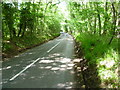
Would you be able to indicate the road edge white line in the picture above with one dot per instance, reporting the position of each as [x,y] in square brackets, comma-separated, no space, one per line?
[53,47]
[28,66]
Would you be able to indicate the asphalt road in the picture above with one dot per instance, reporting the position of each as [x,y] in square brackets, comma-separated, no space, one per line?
[46,66]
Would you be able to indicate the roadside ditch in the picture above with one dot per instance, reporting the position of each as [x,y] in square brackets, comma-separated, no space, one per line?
[86,75]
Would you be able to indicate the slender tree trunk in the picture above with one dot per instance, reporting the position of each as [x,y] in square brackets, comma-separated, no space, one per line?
[95,25]
[24,29]
[114,23]
[99,22]
[98,16]
[99,19]
[114,18]
[20,29]
[106,18]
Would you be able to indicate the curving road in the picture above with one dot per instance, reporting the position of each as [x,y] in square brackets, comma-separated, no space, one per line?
[46,66]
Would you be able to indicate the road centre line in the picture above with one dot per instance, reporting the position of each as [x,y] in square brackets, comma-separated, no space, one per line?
[53,47]
[28,66]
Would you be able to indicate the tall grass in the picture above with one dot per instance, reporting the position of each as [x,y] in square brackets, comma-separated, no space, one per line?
[97,52]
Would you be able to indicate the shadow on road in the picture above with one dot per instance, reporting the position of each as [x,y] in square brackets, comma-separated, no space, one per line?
[54,70]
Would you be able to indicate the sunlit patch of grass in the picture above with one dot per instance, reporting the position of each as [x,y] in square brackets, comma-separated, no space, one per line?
[108,62]
[107,68]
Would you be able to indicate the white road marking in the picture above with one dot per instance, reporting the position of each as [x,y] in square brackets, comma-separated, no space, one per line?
[28,66]
[53,47]
[24,69]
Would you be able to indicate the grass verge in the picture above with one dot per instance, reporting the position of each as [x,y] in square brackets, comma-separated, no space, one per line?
[101,58]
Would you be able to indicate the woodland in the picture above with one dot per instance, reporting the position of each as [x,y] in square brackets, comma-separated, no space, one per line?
[94,26]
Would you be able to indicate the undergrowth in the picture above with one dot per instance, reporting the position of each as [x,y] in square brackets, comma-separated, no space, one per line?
[19,44]
[99,53]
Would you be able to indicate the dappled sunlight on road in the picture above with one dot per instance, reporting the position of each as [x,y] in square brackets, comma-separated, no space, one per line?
[65,60]
[57,62]
[45,61]
[67,85]
[50,68]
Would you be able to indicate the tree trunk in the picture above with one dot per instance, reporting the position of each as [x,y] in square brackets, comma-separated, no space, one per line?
[20,30]
[106,18]
[24,29]
[99,19]
[99,22]
[114,19]
[114,23]
[95,25]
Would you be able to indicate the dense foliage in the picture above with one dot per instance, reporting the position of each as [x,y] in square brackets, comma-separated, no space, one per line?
[28,23]
[94,24]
